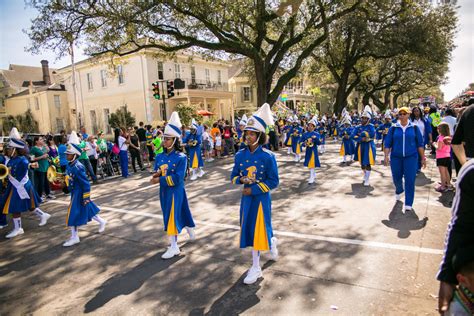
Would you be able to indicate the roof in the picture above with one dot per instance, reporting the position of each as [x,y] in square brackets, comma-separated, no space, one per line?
[52,87]
[17,75]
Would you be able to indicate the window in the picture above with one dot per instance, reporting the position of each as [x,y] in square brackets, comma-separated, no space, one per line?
[28,104]
[160,71]
[193,75]
[219,77]
[103,78]
[57,101]
[94,122]
[89,81]
[59,125]
[106,121]
[163,112]
[37,103]
[177,70]
[208,76]
[120,74]
[246,94]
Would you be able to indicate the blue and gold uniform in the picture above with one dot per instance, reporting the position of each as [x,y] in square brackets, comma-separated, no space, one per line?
[347,145]
[3,195]
[241,140]
[295,139]
[288,129]
[193,147]
[365,150]
[255,209]
[13,202]
[311,158]
[173,199]
[79,214]
[322,132]
[383,130]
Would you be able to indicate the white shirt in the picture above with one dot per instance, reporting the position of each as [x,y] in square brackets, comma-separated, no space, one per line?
[121,143]
[218,141]
[91,149]
[451,120]
[421,125]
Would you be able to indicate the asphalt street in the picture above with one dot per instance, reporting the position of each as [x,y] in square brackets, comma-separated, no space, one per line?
[345,249]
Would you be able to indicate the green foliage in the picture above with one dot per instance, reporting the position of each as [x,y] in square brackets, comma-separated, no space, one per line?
[25,123]
[187,113]
[122,118]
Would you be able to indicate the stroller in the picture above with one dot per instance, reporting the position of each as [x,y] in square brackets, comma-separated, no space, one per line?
[110,165]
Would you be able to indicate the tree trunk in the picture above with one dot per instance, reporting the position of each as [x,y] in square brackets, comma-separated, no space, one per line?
[365,99]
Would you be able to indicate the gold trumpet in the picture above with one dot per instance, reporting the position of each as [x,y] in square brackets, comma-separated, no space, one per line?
[4,172]
[54,176]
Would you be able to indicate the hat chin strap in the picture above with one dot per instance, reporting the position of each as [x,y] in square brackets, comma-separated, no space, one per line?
[174,141]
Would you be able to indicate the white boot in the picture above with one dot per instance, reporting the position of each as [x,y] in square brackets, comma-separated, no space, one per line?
[289,150]
[274,249]
[200,173]
[173,249]
[102,222]
[255,272]
[312,176]
[366,179]
[193,175]
[191,233]
[17,229]
[74,238]
[43,216]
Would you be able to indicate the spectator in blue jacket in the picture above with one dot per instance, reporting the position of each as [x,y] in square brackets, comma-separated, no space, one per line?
[404,143]
[424,125]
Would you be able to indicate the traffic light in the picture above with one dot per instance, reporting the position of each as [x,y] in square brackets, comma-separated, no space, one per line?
[156,90]
[170,88]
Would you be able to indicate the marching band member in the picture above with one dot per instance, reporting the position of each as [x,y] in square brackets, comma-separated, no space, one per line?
[240,132]
[192,142]
[322,132]
[295,139]
[3,196]
[171,170]
[81,209]
[347,145]
[312,139]
[256,168]
[20,194]
[365,152]
[385,126]
[288,130]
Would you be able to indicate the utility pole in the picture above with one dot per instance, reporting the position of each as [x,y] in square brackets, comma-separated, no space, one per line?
[73,66]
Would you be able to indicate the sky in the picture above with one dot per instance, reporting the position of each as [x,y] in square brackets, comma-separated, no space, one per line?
[14,17]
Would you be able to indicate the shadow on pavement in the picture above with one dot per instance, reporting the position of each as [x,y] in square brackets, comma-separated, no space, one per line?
[360,191]
[446,198]
[128,282]
[404,222]
[236,300]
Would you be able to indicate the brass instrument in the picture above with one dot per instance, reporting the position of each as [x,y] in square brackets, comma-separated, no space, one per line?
[236,137]
[309,143]
[296,134]
[4,172]
[192,143]
[54,176]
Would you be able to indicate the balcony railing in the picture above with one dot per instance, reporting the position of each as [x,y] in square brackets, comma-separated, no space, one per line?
[197,84]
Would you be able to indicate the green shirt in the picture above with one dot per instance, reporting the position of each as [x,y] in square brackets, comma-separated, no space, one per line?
[102,143]
[43,163]
[157,142]
[83,155]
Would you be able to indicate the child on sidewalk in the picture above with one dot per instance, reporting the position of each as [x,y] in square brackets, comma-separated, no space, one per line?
[443,157]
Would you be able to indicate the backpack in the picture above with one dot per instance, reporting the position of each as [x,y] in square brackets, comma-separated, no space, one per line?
[115,149]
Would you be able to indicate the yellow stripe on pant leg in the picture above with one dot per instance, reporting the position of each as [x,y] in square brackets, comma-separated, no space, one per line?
[68,212]
[342,151]
[311,160]
[371,156]
[7,204]
[195,161]
[172,231]
[260,239]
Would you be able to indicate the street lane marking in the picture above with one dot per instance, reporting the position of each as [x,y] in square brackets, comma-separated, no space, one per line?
[358,242]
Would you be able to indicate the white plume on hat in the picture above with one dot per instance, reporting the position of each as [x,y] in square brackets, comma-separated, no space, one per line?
[173,128]
[73,144]
[314,120]
[324,119]
[261,119]
[194,124]
[388,113]
[15,139]
[367,112]
[243,120]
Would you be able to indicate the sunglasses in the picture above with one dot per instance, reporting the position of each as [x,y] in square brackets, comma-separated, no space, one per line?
[403,113]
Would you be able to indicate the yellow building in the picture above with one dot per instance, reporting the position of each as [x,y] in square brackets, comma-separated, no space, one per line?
[36,89]
[102,88]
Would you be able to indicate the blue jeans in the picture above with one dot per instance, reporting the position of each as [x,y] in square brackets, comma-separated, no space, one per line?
[405,167]
[124,162]
[89,170]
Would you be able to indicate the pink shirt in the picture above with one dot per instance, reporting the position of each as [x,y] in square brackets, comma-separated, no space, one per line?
[443,151]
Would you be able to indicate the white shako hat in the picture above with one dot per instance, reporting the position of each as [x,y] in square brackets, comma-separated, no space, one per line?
[367,112]
[73,144]
[243,120]
[314,121]
[173,128]
[15,139]
[323,119]
[259,121]
[194,124]
[388,114]
[346,119]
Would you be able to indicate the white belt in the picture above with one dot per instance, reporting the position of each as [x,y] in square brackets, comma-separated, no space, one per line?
[20,186]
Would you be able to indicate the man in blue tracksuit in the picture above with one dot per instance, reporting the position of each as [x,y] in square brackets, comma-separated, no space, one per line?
[404,142]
